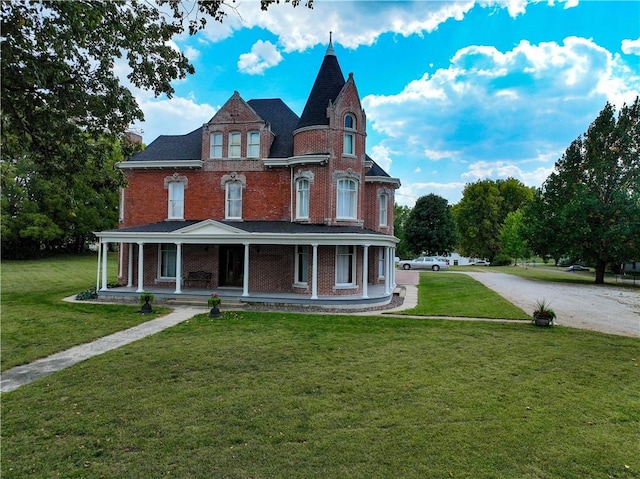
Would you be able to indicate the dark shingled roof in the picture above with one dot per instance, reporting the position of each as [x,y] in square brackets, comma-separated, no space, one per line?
[280,227]
[173,147]
[283,121]
[327,86]
[375,170]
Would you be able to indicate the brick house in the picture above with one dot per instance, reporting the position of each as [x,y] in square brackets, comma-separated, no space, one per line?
[262,205]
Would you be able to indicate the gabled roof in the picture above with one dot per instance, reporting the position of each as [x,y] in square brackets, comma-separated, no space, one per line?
[173,147]
[326,88]
[283,121]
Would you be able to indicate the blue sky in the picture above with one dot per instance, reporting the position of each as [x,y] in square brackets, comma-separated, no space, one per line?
[454,91]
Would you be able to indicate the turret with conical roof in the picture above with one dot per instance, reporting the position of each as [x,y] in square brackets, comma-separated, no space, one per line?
[326,88]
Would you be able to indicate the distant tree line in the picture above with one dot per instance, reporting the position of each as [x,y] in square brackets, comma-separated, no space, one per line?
[588,209]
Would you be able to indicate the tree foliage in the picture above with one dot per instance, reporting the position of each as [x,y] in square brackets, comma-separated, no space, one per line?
[512,237]
[482,211]
[400,216]
[430,227]
[61,99]
[590,206]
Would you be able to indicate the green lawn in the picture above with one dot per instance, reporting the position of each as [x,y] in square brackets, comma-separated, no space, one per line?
[283,395]
[543,272]
[274,395]
[450,294]
[35,321]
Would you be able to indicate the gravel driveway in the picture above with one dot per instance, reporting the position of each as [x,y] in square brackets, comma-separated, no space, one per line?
[605,309]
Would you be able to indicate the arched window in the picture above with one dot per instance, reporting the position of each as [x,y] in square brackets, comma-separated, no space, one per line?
[349,146]
[383,200]
[176,201]
[253,144]
[347,204]
[302,198]
[235,141]
[233,209]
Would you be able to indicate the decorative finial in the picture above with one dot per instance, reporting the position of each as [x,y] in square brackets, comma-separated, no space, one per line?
[330,50]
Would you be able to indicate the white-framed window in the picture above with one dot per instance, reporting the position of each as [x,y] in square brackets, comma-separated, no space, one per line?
[302,265]
[347,204]
[233,208]
[349,147]
[167,260]
[383,201]
[176,200]
[215,146]
[253,144]
[302,198]
[345,265]
[381,262]
[235,143]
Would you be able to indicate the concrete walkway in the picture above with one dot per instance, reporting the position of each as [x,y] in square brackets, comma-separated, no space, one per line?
[14,378]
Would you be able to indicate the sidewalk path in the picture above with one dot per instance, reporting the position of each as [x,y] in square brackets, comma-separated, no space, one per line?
[14,378]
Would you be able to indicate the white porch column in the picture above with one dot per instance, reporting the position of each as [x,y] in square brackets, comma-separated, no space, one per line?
[120,258]
[365,271]
[387,269]
[104,267]
[140,268]
[178,268]
[392,257]
[314,273]
[130,267]
[98,268]
[245,279]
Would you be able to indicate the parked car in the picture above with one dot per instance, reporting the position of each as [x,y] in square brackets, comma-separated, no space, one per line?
[423,262]
[576,267]
[480,263]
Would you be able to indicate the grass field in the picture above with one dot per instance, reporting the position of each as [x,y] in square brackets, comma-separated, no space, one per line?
[450,294]
[35,321]
[283,395]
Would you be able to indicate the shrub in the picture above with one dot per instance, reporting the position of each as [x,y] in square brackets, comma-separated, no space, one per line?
[501,260]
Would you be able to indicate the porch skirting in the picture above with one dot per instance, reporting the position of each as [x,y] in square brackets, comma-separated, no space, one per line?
[233,298]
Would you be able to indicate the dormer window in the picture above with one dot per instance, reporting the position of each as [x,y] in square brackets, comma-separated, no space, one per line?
[235,141]
[349,147]
[253,144]
[215,145]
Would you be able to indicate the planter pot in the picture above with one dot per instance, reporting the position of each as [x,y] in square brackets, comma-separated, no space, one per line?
[215,312]
[542,321]
[146,307]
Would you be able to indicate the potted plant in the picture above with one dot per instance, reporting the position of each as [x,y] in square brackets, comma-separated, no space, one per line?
[543,315]
[213,302]
[145,300]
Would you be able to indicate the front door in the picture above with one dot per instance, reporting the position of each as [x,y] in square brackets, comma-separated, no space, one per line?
[231,265]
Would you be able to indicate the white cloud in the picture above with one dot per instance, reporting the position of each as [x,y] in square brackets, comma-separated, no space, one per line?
[494,106]
[263,55]
[354,23]
[408,193]
[177,116]
[382,156]
[631,47]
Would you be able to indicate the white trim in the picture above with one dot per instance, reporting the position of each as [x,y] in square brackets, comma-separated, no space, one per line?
[296,160]
[383,179]
[160,164]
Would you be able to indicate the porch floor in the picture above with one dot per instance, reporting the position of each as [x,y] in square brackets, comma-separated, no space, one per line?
[233,296]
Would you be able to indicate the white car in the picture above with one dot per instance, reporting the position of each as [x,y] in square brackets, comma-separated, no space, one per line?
[423,262]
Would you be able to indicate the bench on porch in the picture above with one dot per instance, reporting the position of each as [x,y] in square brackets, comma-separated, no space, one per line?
[198,277]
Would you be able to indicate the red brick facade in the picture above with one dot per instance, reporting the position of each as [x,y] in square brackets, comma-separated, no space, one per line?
[240,155]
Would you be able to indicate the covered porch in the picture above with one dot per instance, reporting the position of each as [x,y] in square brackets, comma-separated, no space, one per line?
[256,258]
